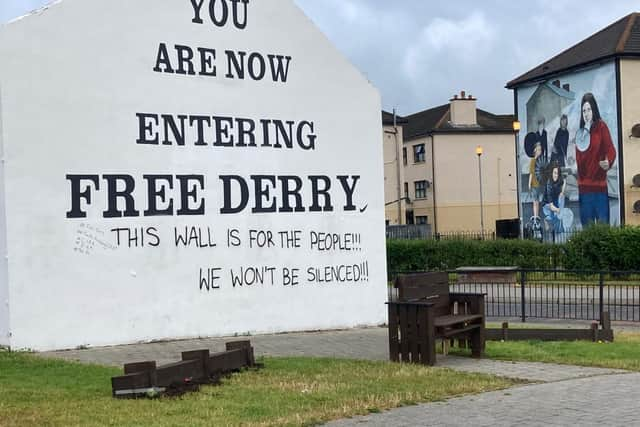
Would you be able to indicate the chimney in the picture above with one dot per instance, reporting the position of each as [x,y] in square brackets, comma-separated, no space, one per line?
[463,110]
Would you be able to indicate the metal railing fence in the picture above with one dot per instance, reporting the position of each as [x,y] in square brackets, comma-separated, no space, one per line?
[550,294]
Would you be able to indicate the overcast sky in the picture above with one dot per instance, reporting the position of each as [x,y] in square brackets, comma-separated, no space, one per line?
[419,53]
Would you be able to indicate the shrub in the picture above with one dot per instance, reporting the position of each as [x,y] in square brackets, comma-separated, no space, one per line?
[601,247]
[415,255]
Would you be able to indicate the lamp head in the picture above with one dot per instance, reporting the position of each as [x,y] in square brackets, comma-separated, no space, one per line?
[516,126]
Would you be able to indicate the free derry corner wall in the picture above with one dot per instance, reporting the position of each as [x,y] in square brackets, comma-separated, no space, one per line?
[184,168]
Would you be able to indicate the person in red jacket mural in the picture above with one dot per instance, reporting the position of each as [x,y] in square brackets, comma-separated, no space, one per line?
[595,155]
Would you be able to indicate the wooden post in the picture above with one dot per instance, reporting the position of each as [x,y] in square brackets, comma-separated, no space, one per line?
[523,304]
[505,331]
[243,345]
[394,347]
[412,327]
[607,332]
[606,320]
[404,333]
[594,331]
[430,351]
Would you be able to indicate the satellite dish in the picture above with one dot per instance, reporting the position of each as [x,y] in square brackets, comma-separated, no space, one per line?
[636,180]
[635,131]
[636,207]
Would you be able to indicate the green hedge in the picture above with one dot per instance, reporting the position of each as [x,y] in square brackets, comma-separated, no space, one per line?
[415,255]
[598,247]
[601,247]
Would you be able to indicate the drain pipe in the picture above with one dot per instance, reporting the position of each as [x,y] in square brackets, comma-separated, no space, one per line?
[433,186]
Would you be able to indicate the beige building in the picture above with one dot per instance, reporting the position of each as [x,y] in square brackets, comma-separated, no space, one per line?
[440,168]
[630,94]
[395,201]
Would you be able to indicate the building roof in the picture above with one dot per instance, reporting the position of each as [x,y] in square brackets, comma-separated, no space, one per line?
[387,119]
[438,120]
[620,39]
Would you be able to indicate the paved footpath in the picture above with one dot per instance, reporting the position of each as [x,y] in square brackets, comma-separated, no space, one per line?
[610,400]
[564,394]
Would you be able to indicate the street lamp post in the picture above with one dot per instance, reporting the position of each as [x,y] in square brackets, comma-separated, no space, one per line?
[479,153]
[399,194]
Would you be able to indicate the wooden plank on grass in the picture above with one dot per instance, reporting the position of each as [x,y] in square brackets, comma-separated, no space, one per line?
[242,345]
[202,356]
[132,368]
[180,372]
[228,361]
[138,380]
[541,334]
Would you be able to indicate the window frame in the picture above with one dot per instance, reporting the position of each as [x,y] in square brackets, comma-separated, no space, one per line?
[422,189]
[419,155]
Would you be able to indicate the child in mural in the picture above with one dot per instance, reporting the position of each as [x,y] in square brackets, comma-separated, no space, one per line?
[554,198]
[595,154]
[561,143]
[541,136]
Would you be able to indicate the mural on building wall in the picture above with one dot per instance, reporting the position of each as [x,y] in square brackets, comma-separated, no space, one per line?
[568,152]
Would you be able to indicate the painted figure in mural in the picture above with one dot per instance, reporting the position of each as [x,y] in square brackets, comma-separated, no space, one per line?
[554,198]
[595,155]
[541,136]
[536,178]
[561,143]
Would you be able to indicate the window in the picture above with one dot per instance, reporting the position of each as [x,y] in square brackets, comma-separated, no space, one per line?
[421,189]
[418,153]
[421,220]
[404,156]
[409,217]
[406,190]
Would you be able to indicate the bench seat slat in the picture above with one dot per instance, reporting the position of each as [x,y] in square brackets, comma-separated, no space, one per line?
[457,332]
[454,319]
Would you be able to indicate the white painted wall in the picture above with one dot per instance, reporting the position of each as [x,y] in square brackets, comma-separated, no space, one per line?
[4,279]
[75,75]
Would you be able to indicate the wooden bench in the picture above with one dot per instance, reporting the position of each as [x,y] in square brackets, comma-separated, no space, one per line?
[426,311]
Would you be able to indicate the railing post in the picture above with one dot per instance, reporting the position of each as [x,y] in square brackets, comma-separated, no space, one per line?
[601,295]
[522,295]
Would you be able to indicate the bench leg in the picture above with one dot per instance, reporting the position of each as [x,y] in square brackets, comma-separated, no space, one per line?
[428,332]
[429,353]
[445,346]
[477,343]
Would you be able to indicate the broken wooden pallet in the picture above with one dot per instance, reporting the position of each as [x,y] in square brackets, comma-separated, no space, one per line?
[196,367]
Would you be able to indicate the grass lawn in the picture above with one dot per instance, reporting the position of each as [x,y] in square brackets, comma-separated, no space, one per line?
[623,353]
[288,391]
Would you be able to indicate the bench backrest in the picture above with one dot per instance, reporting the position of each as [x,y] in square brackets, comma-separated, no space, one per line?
[431,287]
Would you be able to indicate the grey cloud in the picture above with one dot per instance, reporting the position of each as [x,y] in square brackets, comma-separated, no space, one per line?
[419,53]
